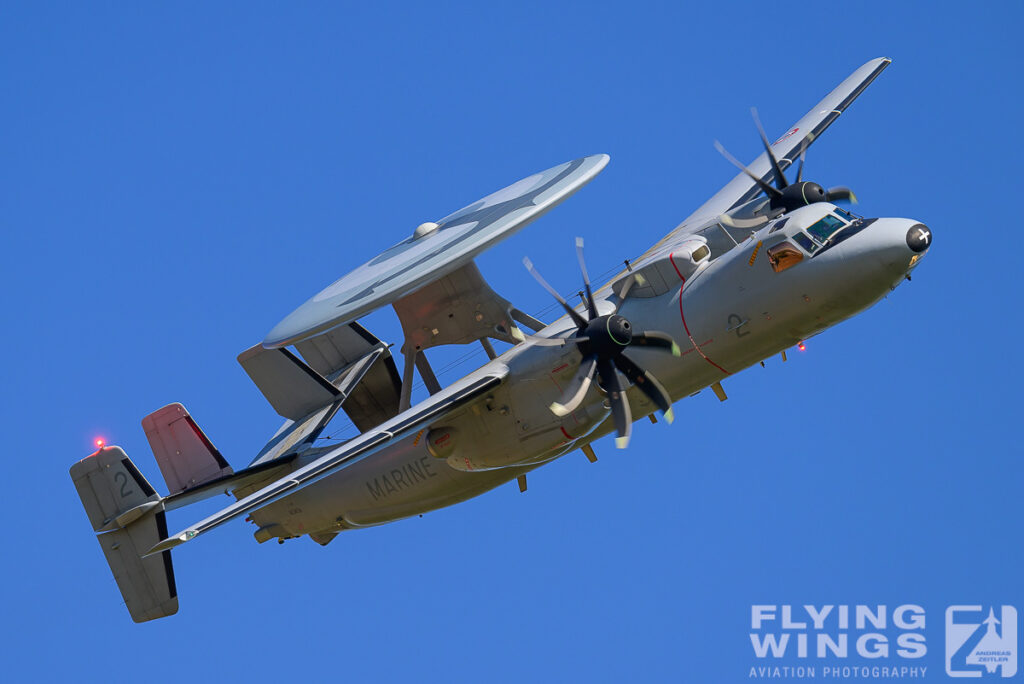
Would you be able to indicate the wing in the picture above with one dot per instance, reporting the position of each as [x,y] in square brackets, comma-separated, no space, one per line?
[787,148]
[456,395]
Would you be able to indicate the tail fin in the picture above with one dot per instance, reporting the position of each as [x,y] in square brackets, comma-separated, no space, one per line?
[186,456]
[128,515]
[294,389]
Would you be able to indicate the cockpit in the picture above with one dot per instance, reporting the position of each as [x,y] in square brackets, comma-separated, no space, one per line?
[828,230]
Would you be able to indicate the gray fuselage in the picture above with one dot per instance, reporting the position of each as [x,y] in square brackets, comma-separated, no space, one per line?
[731,312]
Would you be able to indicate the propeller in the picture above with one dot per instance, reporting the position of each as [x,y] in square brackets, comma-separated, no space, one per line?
[603,340]
[785,195]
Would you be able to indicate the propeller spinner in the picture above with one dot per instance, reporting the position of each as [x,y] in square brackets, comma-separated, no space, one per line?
[785,195]
[602,341]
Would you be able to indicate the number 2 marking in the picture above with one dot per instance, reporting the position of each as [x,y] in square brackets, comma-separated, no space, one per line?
[736,323]
[121,478]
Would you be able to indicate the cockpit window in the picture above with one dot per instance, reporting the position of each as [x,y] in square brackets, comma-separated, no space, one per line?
[826,228]
[846,215]
[805,242]
[784,255]
[778,225]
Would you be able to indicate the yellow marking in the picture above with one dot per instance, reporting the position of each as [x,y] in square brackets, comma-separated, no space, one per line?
[418,435]
[522,483]
[589,452]
[753,257]
[719,392]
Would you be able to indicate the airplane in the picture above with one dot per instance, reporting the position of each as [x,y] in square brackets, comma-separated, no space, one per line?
[766,263]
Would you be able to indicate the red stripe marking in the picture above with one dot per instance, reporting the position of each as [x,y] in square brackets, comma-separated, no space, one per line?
[672,261]
[567,435]
[683,316]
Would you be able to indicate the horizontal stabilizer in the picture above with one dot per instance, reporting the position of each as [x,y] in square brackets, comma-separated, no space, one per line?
[253,476]
[294,389]
[455,396]
[184,453]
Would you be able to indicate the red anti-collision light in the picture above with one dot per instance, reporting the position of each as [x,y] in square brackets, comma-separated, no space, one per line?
[801,346]
[100,442]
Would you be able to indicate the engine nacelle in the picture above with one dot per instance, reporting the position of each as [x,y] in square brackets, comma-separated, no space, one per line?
[667,270]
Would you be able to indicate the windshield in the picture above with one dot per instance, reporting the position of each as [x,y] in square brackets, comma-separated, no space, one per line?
[846,215]
[805,242]
[826,228]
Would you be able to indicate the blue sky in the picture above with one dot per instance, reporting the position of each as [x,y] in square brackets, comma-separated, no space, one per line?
[179,177]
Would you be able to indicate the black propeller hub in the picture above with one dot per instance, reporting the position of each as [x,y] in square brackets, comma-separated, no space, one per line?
[601,340]
[800,194]
[606,336]
[785,195]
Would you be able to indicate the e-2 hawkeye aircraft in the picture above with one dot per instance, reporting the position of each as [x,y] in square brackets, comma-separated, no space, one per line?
[766,263]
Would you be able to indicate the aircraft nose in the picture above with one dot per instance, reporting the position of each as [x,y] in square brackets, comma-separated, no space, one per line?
[898,243]
[919,238]
[887,249]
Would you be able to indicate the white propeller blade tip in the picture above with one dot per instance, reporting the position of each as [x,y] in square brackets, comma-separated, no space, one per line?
[558,409]
[621,442]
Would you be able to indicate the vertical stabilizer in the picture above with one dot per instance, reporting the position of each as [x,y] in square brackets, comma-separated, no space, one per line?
[128,515]
[186,456]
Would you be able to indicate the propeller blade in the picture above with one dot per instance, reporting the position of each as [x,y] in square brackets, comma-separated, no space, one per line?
[620,405]
[768,190]
[840,193]
[573,314]
[577,388]
[742,224]
[647,383]
[780,179]
[632,280]
[552,341]
[657,340]
[800,169]
[591,306]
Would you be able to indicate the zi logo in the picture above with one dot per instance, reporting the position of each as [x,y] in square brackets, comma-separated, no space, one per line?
[979,642]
